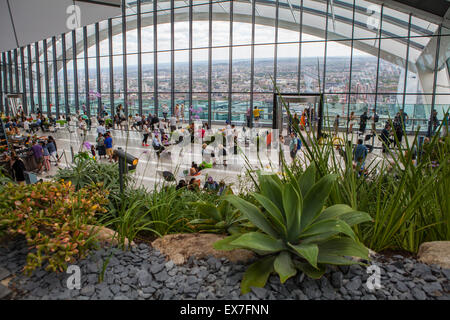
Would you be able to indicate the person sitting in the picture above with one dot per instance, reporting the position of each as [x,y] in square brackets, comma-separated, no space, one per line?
[157,145]
[155,120]
[165,140]
[195,170]
[222,187]
[385,137]
[359,155]
[181,184]
[137,122]
[26,126]
[211,185]
[194,185]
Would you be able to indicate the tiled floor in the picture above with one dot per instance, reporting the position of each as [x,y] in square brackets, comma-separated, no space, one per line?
[150,167]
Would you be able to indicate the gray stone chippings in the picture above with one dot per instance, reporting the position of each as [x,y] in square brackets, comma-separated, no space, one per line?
[144,273]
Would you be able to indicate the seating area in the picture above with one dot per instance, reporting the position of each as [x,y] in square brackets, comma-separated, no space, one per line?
[236,158]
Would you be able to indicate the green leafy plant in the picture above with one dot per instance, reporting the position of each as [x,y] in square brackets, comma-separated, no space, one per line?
[407,199]
[222,218]
[54,219]
[85,172]
[294,231]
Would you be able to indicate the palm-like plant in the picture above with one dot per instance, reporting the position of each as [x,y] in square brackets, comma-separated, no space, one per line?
[295,232]
[218,219]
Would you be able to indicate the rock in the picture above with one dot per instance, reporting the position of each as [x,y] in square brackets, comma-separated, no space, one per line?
[354,285]
[169,265]
[402,287]
[198,245]
[5,292]
[433,288]
[429,278]
[178,259]
[115,289]
[105,294]
[420,270]
[261,293]
[144,278]
[121,298]
[336,279]
[106,236]
[155,268]
[87,291]
[143,246]
[418,294]
[92,267]
[162,276]
[124,288]
[435,252]
[446,273]
[4,273]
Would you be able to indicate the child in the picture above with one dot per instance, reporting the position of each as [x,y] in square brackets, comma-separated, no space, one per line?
[93,151]
[46,157]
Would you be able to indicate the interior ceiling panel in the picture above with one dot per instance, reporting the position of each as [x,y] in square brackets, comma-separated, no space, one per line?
[436,7]
[23,21]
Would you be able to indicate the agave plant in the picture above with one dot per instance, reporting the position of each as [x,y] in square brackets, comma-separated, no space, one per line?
[295,232]
[221,219]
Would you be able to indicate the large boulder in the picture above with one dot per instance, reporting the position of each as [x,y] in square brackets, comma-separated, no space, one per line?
[179,247]
[107,236]
[435,252]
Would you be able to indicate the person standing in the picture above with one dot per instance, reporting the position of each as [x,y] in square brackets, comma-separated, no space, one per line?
[359,156]
[182,112]
[375,118]
[38,155]
[101,145]
[177,112]
[363,122]
[336,125]
[295,122]
[165,110]
[18,168]
[385,137]
[256,114]
[398,129]
[109,146]
[434,122]
[46,155]
[248,117]
[146,132]
[173,123]
[52,149]
[352,121]
[293,146]
[101,128]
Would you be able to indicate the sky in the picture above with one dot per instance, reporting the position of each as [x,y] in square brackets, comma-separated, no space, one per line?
[221,34]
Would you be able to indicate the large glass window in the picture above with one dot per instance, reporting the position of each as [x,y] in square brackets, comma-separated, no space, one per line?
[379,67]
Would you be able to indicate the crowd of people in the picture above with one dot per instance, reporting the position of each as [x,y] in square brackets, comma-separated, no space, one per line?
[159,132]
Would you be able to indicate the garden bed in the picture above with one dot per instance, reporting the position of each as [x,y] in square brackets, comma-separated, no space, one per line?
[144,273]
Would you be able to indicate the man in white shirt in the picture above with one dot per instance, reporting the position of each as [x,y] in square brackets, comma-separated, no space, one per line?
[173,123]
[165,110]
[101,128]
[26,126]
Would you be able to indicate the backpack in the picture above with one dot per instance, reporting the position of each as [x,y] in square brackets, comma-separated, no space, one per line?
[299,144]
